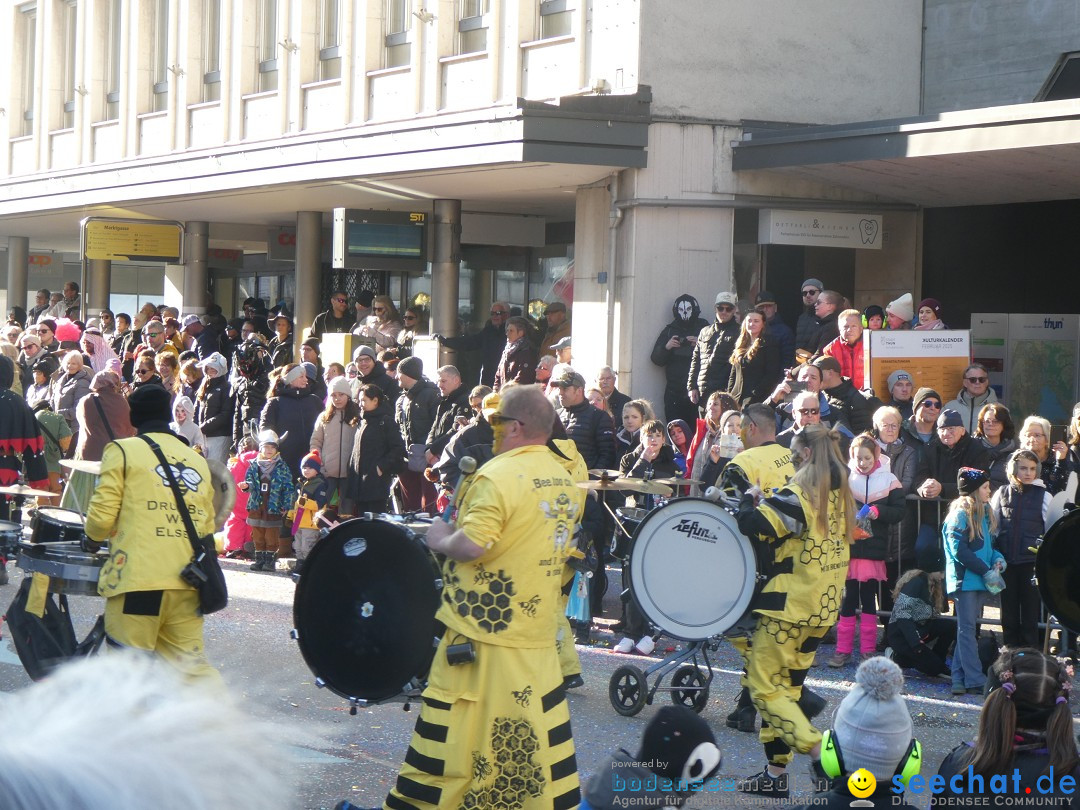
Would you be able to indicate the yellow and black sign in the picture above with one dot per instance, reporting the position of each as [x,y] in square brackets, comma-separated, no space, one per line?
[130,240]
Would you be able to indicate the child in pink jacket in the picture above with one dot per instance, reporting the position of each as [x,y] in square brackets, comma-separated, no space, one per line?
[237,531]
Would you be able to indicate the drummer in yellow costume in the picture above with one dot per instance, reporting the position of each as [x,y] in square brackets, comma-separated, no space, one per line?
[495,731]
[801,600]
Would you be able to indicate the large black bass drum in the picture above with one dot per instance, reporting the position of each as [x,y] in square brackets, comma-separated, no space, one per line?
[1057,570]
[692,572]
[364,611]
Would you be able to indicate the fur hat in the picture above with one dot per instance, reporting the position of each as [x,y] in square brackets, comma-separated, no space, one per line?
[873,724]
[411,367]
[902,307]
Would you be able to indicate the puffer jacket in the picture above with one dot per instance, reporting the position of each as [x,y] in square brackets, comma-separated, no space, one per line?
[998,459]
[291,414]
[709,365]
[448,410]
[249,398]
[416,411]
[592,433]
[882,490]
[968,406]
[850,359]
[237,531]
[67,391]
[1021,519]
[277,500]
[967,560]
[381,377]
[942,463]
[334,441]
[214,408]
[377,455]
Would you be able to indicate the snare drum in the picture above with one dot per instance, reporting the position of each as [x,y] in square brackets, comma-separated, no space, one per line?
[70,570]
[364,610]
[630,518]
[10,535]
[51,524]
[692,572]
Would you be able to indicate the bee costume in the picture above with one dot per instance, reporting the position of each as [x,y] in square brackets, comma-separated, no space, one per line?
[798,604]
[496,732]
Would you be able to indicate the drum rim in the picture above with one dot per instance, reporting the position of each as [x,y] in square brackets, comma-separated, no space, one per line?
[315,661]
[1055,534]
[629,573]
[44,513]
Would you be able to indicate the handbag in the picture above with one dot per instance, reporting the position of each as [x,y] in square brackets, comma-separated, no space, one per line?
[203,572]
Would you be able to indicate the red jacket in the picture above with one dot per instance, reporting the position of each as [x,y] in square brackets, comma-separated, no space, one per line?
[850,359]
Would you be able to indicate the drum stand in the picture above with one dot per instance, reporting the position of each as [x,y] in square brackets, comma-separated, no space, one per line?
[629,690]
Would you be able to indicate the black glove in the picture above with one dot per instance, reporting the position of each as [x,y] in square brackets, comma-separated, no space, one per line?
[88,545]
[438,337]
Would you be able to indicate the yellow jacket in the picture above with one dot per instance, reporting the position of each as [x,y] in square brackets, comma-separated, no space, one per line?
[134,509]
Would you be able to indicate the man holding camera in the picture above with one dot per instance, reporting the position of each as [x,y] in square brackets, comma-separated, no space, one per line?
[149,605]
[495,697]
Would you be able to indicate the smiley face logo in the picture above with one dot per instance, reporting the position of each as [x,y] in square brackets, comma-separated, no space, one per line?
[861,783]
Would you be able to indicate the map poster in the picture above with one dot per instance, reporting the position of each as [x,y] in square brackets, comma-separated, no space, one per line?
[933,359]
[1042,366]
[989,344]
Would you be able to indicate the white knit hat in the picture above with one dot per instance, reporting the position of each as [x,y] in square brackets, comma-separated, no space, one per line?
[340,385]
[872,723]
[903,307]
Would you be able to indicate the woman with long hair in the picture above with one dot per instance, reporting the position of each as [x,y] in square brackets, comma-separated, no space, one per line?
[143,371]
[706,434]
[168,368]
[377,453]
[995,429]
[383,325]
[334,436]
[518,361]
[635,413]
[1025,731]
[809,526]
[755,361]
[917,633]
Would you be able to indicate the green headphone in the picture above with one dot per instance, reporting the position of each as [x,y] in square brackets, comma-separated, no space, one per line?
[832,758]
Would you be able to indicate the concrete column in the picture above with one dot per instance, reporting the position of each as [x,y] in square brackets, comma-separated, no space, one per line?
[197,242]
[308,274]
[18,256]
[445,272]
[98,285]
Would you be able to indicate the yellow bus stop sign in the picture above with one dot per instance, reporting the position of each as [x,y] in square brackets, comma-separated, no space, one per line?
[127,240]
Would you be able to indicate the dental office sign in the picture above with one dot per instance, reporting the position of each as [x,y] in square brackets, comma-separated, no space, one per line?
[819,229]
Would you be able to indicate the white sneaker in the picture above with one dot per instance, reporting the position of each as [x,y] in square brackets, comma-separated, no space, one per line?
[624,646]
[645,646]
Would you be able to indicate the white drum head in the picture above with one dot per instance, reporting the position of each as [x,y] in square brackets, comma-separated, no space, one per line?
[692,572]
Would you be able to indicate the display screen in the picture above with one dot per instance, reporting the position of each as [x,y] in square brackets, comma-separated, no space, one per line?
[380,240]
[384,239]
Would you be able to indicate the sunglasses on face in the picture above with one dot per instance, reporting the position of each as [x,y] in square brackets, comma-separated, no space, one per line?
[44,330]
[810,292]
[809,411]
[409,317]
[497,313]
[339,300]
[931,403]
[976,379]
[498,419]
[379,309]
[142,371]
[725,308]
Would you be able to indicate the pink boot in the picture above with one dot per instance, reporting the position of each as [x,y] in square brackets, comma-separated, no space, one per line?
[845,641]
[867,635]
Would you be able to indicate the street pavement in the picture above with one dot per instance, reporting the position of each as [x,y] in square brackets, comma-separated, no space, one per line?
[357,757]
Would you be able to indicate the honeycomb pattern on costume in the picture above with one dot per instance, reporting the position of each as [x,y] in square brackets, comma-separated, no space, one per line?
[517,775]
[490,605]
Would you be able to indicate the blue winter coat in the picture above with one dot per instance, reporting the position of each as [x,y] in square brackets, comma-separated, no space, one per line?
[966,562]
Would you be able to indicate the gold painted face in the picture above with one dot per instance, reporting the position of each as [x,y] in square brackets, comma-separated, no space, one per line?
[861,783]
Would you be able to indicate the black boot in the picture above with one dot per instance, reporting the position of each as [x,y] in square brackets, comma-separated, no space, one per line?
[811,703]
[260,558]
[744,718]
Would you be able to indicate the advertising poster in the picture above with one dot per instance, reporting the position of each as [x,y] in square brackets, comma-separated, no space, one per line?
[934,359]
[989,346]
[1042,357]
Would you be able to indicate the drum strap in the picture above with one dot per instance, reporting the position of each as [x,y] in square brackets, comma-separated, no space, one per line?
[48,433]
[181,505]
[104,420]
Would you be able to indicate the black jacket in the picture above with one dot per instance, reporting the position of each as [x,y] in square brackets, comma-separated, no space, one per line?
[292,411]
[381,377]
[446,414]
[686,322]
[942,463]
[475,440]
[206,342]
[281,351]
[632,465]
[756,378]
[490,341]
[326,322]
[592,432]
[807,329]
[709,366]
[214,410]
[416,412]
[376,456]
[1031,764]
[249,397]
[851,408]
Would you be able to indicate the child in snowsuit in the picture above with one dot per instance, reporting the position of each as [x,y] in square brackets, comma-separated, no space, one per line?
[310,498]
[269,486]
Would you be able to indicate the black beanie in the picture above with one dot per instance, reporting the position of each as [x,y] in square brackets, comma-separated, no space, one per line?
[969,479]
[672,746]
[411,367]
[150,404]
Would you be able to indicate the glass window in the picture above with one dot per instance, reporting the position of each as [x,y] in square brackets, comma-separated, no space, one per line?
[398,20]
[112,60]
[556,18]
[160,71]
[267,45]
[68,13]
[329,39]
[472,25]
[28,22]
[211,50]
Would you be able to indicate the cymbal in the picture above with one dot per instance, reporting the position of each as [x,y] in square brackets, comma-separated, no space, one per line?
[639,485]
[20,490]
[606,473]
[677,482]
[92,467]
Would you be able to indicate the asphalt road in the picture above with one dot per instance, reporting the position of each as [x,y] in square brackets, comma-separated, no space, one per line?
[357,757]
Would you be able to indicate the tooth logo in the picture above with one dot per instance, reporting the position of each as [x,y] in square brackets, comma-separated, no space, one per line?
[868,229]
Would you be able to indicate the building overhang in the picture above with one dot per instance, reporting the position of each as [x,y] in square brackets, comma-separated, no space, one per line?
[525,158]
[1014,154]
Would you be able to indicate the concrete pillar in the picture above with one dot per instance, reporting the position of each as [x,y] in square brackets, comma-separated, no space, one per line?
[196,245]
[308,274]
[174,286]
[445,272]
[18,255]
[98,285]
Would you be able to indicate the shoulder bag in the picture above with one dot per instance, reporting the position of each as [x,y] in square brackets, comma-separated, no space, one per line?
[203,572]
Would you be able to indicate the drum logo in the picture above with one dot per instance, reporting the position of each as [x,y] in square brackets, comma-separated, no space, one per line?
[695,531]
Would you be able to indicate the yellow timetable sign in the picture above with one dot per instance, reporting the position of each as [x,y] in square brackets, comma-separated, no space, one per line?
[120,240]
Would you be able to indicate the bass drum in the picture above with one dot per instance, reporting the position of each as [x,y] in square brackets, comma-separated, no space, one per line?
[692,572]
[1057,569]
[364,610]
